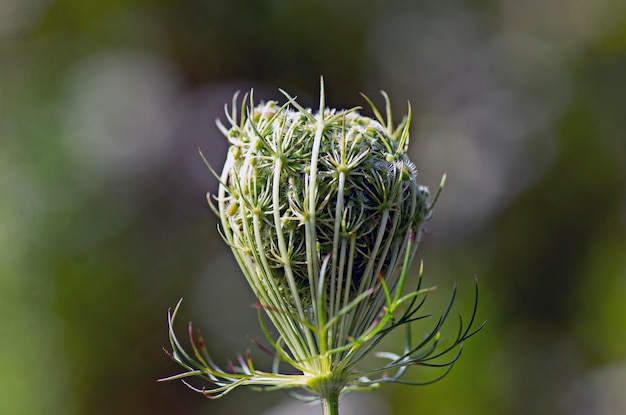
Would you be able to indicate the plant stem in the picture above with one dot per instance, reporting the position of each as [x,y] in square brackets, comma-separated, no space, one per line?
[328,388]
[330,403]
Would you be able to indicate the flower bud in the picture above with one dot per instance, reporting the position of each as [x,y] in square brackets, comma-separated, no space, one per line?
[301,186]
[323,214]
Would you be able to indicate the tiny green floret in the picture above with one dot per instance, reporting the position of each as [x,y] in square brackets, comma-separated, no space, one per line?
[323,213]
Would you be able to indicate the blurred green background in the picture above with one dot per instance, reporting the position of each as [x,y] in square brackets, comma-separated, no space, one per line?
[104,224]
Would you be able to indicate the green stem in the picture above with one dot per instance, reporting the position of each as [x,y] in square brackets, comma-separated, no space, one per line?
[328,388]
[330,402]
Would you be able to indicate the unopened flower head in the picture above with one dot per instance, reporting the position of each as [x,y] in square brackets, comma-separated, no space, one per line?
[317,207]
[323,212]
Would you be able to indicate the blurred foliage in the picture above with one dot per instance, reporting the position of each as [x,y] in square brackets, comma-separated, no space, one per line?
[103,223]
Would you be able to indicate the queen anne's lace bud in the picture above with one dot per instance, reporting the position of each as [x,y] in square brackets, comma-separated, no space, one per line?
[323,213]
[298,188]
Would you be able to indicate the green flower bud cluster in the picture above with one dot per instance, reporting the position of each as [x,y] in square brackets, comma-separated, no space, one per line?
[292,195]
[323,214]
